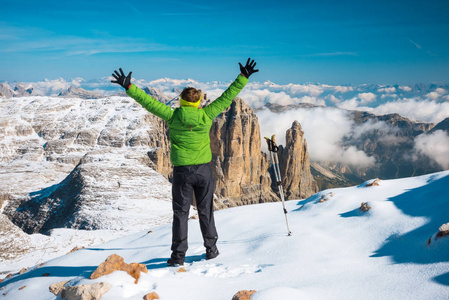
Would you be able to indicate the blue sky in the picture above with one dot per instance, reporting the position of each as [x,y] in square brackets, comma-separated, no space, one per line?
[333,42]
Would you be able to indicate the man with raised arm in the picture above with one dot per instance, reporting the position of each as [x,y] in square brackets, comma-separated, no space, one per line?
[190,155]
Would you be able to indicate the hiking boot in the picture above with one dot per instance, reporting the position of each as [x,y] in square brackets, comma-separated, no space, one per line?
[210,254]
[174,263]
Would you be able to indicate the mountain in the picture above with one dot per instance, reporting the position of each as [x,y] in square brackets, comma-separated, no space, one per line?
[77,92]
[443,125]
[335,251]
[388,139]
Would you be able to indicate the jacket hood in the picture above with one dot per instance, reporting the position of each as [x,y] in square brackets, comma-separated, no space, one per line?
[189,116]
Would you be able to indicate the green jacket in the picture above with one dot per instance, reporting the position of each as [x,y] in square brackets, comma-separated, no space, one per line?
[189,126]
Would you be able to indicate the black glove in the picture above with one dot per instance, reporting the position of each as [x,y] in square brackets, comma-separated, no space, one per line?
[124,81]
[248,69]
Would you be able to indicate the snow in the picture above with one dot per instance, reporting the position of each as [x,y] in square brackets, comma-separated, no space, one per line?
[335,251]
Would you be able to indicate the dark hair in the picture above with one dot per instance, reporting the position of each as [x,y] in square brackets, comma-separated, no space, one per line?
[190,94]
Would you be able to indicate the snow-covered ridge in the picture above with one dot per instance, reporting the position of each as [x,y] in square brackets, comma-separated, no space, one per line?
[336,251]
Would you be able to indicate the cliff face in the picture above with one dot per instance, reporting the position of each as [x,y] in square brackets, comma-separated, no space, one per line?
[242,171]
[294,164]
[239,166]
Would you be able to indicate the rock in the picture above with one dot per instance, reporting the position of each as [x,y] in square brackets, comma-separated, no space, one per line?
[21,288]
[23,89]
[151,296]
[297,180]
[85,292]
[364,207]
[240,168]
[181,270]
[375,182]
[443,231]
[56,288]
[6,90]
[75,249]
[46,274]
[326,197]
[194,217]
[116,263]
[23,270]
[243,295]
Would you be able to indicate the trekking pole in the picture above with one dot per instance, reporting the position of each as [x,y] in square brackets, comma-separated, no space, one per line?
[273,148]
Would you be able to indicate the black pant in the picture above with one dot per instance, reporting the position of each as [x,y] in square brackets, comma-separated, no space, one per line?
[186,181]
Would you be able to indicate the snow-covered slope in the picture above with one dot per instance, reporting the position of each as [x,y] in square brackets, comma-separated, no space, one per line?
[335,252]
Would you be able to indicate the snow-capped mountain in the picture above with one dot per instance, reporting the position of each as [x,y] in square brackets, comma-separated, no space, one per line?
[395,250]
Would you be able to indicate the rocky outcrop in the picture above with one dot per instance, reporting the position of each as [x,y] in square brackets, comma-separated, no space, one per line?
[240,168]
[6,90]
[104,191]
[23,89]
[242,171]
[114,263]
[77,92]
[297,180]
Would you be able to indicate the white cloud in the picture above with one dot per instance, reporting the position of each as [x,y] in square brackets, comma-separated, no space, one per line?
[446,98]
[405,88]
[435,146]
[324,129]
[441,91]
[333,99]
[366,97]
[387,90]
[424,111]
[343,89]
[433,95]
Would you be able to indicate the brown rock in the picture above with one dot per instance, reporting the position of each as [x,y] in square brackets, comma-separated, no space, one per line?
[242,171]
[294,164]
[374,183]
[23,270]
[9,275]
[22,287]
[40,265]
[443,231]
[75,249]
[46,274]
[116,263]
[56,288]
[364,207]
[182,270]
[239,167]
[194,218]
[243,295]
[85,292]
[151,296]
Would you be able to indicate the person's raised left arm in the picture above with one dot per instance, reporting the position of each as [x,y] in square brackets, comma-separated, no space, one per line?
[149,103]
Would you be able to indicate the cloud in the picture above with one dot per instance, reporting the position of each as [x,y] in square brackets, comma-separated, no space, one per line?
[415,44]
[324,130]
[405,88]
[366,97]
[429,111]
[387,90]
[343,89]
[435,146]
[441,91]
